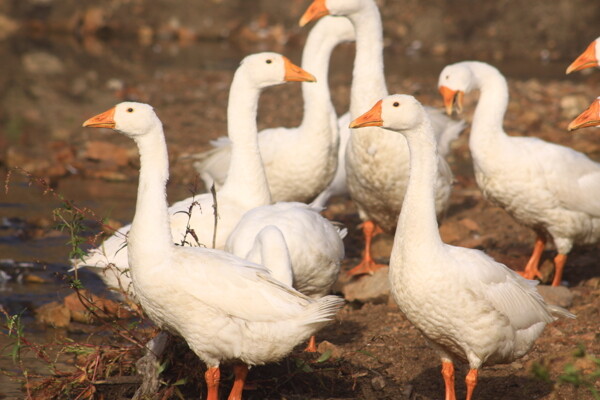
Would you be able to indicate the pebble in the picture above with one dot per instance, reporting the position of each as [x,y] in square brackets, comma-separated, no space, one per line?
[324,346]
[557,295]
[378,383]
[42,63]
[368,288]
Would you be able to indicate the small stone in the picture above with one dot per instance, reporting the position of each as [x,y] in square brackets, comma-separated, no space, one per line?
[407,391]
[378,383]
[93,20]
[42,63]
[557,295]
[145,35]
[572,105]
[470,224]
[32,278]
[369,288]
[7,26]
[55,314]
[324,346]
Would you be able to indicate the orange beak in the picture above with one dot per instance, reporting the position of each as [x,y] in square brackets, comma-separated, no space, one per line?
[585,60]
[294,73]
[316,10]
[590,117]
[104,120]
[370,118]
[451,98]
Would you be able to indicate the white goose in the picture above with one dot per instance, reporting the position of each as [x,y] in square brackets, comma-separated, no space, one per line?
[377,161]
[552,189]
[589,117]
[246,185]
[318,249]
[226,308]
[468,306]
[299,162]
[314,246]
[587,59]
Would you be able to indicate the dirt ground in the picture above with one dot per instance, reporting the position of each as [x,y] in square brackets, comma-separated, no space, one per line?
[376,352]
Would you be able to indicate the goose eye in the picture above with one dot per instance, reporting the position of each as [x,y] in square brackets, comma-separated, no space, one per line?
[130,110]
[447,77]
[269,61]
[396,104]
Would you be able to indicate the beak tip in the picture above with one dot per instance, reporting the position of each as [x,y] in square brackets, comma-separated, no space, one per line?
[303,21]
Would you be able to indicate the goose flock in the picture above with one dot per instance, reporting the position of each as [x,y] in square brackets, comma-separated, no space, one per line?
[244,274]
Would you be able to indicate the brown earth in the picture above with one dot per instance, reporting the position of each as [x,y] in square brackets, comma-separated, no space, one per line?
[377,352]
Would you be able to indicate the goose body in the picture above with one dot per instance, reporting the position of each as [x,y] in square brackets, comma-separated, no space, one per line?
[376,160]
[314,244]
[469,307]
[549,188]
[226,308]
[299,162]
[244,189]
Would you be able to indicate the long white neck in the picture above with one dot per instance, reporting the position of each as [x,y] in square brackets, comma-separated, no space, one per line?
[368,78]
[417,223]
[150,237]
[318,109]
[487,129]
[246,176]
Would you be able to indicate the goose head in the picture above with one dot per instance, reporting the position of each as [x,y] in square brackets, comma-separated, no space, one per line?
[587,59]
[455,80]
[590,117]
[129,118]
[397,112]
[320,8]
[268,69]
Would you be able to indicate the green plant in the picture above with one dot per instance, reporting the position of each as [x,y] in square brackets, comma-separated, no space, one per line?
[572,375]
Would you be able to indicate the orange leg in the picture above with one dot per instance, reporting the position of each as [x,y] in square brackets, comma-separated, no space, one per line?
[448,374]
[311,347]
[531,270]
[367,265]
[212,377]
[471,381]
[241,372]
[559,264]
